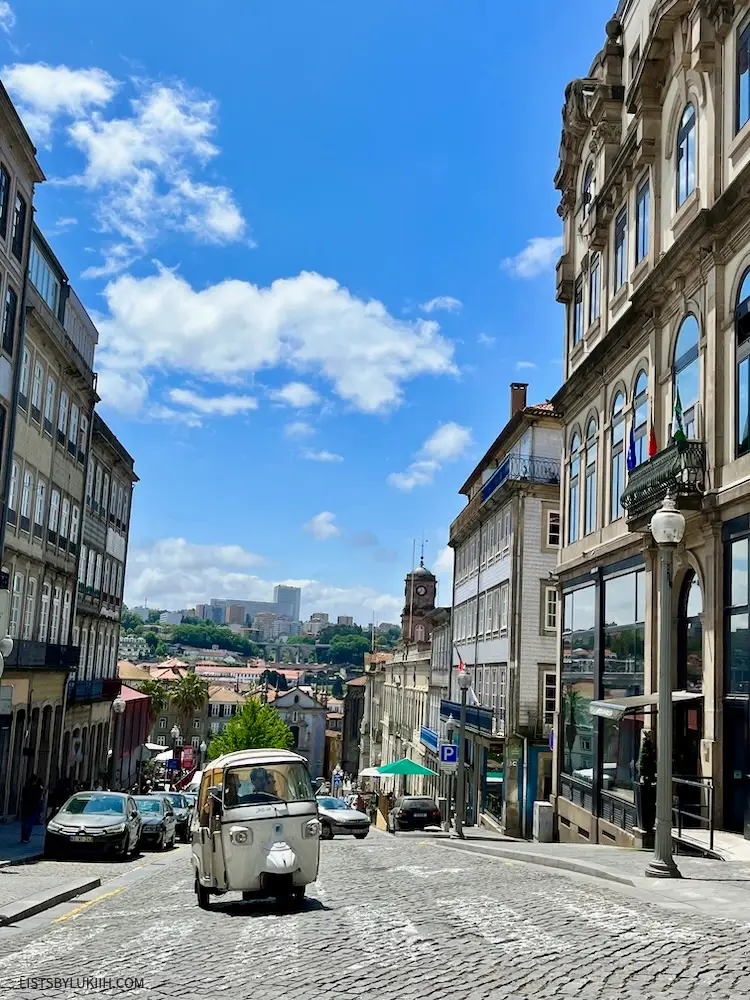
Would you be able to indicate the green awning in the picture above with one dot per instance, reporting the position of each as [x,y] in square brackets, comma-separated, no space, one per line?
[494,776]
[405,766]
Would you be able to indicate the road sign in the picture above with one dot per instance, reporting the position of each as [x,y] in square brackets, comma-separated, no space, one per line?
[514,752]
[187,757]
[173,764]
[448,757]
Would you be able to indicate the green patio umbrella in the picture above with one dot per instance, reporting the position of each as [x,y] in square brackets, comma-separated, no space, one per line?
[405,766]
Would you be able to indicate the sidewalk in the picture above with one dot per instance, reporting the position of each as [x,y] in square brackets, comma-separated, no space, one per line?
[718,888]
[12,851]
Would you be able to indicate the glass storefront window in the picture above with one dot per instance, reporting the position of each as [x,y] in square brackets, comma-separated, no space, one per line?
[693,679]
[739,585]
[579,640]
[739,660]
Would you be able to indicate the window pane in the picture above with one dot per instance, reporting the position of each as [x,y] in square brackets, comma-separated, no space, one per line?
[688,382]
[739,573]
[739,662]
[620,600]
[743,406]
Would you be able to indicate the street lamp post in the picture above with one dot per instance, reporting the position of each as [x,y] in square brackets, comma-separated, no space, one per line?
[203,749]
[118,707]
[667,527]
[464,682]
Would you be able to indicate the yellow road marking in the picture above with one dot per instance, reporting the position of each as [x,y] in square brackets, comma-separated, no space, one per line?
[85,906]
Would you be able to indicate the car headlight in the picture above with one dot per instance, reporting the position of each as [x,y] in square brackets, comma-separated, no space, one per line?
[117,828]
[311,829]
[54,827]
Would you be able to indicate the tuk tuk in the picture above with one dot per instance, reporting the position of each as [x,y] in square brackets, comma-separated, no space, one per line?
[256,829]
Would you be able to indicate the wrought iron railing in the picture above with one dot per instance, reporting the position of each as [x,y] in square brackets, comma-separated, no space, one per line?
[681,468]
[522,468]
[693,806]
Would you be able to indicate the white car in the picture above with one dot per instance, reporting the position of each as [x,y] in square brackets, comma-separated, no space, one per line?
[337,818]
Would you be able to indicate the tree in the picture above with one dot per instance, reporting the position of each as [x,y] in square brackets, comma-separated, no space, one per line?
[158,698]
[338,690]
[152,640]
[329,633]
[257,726]
[299,640]
[153,617]
[161,649]
[131,622]
[274,680]
[191,620]
[349,649]
[189,695]
[206,634]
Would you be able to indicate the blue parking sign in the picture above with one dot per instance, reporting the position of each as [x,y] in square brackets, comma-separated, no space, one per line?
[448,753]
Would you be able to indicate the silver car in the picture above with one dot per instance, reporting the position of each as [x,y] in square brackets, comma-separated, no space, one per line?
[100,822]
[336,817]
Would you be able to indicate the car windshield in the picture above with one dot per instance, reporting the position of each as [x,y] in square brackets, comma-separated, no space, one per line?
[178,801]
[245,786]
[149,805]
[80,804]
[330,803]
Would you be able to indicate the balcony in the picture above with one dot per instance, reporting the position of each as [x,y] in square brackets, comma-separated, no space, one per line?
[102,689]
[27,654]
[478,720]
[681,467]
[520,468]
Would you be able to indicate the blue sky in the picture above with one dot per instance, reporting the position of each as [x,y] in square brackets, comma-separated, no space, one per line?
[319,243]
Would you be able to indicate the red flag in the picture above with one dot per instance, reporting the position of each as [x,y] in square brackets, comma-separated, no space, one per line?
[461,664]
[652,449]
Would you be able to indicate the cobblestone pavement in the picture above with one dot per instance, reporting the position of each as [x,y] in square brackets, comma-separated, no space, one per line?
[388,918]
[24,880]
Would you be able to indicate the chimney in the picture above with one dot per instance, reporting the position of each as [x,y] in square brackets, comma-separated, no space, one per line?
[517,397]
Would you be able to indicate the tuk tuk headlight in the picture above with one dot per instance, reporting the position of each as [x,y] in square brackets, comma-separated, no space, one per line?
[311,829]
[240,835]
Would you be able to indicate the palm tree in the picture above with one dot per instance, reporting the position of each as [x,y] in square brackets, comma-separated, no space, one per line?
[188,695]
[158,699]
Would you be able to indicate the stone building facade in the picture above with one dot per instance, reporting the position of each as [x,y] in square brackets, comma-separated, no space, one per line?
[655,277]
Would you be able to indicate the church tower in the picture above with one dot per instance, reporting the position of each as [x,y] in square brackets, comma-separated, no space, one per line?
[419,594]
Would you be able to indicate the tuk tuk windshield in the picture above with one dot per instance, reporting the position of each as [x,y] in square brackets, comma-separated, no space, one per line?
[247,786]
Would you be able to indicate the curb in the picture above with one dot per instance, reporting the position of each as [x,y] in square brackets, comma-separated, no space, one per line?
[543,860]
[29,907]
[23,860]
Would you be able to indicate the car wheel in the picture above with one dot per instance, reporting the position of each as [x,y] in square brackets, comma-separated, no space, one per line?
[326,833]
[203,895]
[361,834]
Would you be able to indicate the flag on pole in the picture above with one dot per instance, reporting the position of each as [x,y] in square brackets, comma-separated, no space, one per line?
[471,698]
[652,448]
[631,459]
[678,430]
[461,664]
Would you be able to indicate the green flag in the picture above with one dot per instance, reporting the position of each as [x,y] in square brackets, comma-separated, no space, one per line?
[678,431]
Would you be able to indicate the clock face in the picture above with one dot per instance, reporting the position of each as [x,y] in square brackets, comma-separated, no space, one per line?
[421,591]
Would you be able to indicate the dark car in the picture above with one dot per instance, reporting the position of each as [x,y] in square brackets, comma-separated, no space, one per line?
[413,812]
[159,827]
[183,812]
[336,817]
[96,822]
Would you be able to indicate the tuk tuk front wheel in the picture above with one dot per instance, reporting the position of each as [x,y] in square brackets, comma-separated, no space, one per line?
[202,893]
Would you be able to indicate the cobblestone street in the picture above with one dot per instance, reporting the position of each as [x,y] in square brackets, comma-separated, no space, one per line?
[388,917]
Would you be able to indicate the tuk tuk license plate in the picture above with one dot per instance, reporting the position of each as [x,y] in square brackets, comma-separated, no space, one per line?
[81,838]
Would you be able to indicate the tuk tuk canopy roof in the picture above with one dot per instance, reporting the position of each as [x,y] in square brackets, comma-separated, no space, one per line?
[251,758]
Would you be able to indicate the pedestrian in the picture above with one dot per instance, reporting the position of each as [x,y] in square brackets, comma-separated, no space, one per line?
[360,804]
[31,803]
[373,808]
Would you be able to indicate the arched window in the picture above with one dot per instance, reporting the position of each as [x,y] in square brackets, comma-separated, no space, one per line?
[589,189]
[419,633]
[690,636]
[574,488]
[589,515]
[617,481]
[640,418]
[742,332]
[686,376]
[686,155]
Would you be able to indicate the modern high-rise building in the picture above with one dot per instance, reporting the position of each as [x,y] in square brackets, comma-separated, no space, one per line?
[287,600]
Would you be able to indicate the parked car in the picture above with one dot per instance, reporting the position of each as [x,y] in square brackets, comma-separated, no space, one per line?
[183,813]
[101,822]
[159,827]
[336,817]
[413,812]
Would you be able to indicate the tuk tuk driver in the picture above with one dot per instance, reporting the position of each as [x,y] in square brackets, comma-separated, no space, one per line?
[264,782]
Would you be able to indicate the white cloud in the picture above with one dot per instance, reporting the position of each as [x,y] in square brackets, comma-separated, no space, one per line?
[321,456]
[43,93]
[444,303]
[298,429]
[485,340]
[167,413]
[296,394]
[139,168]
[539,255]
[174,573]
[308,322]
[225,406]
[525,365]
[124,391]
[323,526]
[445,444]
[7,17]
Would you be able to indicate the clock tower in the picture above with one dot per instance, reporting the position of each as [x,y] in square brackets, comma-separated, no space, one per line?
[419,593]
